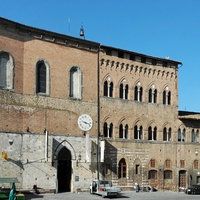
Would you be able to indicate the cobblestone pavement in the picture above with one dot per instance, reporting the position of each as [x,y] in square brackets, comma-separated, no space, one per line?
[124,196]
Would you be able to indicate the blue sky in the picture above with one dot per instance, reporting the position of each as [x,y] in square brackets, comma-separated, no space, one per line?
[157,28]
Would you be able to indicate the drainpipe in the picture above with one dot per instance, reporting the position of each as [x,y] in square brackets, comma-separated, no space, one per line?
[46,146]
[98,113]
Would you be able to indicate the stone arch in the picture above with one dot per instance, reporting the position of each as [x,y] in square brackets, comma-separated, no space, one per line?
[137,122]
[151,85]
[106,77]
[107,119]
[137,83]
[69,146]
[165,87]
[166,125]
[122,121]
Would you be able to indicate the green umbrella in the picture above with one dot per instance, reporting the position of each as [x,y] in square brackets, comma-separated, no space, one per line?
[12,195]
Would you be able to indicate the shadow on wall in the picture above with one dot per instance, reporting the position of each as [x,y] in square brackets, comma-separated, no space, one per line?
[110,159]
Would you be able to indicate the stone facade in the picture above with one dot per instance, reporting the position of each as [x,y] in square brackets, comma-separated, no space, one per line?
[39,124]
[48,80]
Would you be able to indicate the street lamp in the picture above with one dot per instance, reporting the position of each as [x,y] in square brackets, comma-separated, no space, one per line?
[196,152]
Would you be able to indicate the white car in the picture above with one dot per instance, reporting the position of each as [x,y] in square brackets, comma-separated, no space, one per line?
[104,188]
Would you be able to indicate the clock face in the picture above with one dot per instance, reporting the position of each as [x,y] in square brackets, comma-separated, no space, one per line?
[85,122]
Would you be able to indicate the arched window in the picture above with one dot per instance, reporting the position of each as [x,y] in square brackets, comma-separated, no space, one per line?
[181,135]
[166,97]
[111,89]
[6,71]
[152,133]
[122,168]
[138,93]
[126,131]
[123,91]
[123,131]
[193,136]
[155,96]
[108,89]
[126,92]
[105,93]
[138,133]
[42,77]
[105,129]
[120,131]
[108,130]
[75,83]
[111,130]
[141,93]
[150,95]
[169,98]
[197,136]
[166,134]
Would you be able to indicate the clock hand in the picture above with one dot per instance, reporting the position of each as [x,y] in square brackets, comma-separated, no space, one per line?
[86,122]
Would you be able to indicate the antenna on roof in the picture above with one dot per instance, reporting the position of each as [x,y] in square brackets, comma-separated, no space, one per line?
[82,32]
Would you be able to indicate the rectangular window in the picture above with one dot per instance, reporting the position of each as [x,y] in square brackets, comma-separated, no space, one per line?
[153,164]
[154,62]
[168,164]
[137,169]
[196,164]
[108,52]
[120,54]
[152,174]
[143,59]
[182,163]
[167,174]
[132,57]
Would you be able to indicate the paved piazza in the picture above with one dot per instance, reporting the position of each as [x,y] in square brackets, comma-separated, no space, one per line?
[124,196]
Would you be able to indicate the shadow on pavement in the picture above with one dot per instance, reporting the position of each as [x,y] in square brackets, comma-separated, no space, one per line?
[33,196]
[122,196]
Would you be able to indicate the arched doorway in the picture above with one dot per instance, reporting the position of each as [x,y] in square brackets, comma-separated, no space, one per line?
[64,170]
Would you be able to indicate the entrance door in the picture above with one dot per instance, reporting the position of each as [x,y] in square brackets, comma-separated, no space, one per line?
[182,178]
[64,170]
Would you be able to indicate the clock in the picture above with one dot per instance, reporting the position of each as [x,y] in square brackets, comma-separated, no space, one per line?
[85,122]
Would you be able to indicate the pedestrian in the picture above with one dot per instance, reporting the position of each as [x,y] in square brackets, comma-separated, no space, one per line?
[137,187]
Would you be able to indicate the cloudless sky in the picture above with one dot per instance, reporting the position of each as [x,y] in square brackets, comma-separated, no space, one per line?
[157,28]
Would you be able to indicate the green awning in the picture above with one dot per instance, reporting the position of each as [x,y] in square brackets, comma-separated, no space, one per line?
[9,180]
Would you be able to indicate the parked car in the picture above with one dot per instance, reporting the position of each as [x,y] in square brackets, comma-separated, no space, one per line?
[193,189]
[104,188]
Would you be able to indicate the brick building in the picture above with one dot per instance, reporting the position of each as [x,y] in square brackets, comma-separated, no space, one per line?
[48,80]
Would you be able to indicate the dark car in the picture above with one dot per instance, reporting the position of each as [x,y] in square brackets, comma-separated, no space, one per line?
[193,189]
